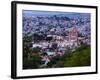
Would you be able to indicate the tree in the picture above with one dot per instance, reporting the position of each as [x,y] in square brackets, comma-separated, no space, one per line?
[49,38]
[36,50]
[32,63]
[81,57]
[35,37]
[27,44]
[54,46]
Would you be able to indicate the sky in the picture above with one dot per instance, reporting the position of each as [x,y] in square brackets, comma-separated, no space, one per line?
[29,13]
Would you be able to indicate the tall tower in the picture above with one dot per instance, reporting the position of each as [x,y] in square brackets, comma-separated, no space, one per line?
[73,34]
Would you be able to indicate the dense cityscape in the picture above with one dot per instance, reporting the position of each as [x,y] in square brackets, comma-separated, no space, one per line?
[50,37]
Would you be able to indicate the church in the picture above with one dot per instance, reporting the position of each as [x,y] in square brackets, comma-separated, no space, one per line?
[73,36]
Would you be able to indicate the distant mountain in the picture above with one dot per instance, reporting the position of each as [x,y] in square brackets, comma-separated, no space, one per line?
[29,13]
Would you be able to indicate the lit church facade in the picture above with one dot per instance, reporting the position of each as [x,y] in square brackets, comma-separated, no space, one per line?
[73,36]
[71,39]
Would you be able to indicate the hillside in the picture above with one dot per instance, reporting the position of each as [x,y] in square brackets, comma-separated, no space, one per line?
[80,57]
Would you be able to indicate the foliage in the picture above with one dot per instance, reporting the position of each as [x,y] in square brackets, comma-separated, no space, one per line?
[32,63]
[38,37]
[81,57]
[49,38]
[27,44]
[53,61]
[36,50]
[54,46]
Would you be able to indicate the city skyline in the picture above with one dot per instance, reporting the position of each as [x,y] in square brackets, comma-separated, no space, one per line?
[30,13]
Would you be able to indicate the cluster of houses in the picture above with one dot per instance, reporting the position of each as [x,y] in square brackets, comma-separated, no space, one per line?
[61,44]
[72,41]
[64,31]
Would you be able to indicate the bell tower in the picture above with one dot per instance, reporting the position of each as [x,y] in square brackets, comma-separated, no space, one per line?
[73,34]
